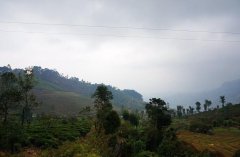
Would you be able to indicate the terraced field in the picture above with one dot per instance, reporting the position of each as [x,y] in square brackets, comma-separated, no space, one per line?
[224,141]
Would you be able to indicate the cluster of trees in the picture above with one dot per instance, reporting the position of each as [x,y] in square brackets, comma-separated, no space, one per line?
[16,104]
[228,116]
[133,118]
[206,105]
[107,118]
[133,134]
[136,134]
[16,96]
[204,122]
[181,111]
[18,127]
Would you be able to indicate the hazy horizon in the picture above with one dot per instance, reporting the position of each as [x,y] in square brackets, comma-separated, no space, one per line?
[157,48]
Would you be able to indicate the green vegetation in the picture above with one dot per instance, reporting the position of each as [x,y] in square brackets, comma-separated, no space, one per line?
[107,118]
[67,95]
[214,130]
[19,128]
[227,116]
[198,106]
[200,127]
[131,117]
[61,102]
[74,136]
[222,100]
[50,81]
[44,132]
[98,131]
[207,104]
[10,94]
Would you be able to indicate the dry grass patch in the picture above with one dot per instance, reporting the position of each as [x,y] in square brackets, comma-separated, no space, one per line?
[224,141]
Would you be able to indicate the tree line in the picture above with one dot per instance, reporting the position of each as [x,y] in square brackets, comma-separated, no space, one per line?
[114,134]
[181,111]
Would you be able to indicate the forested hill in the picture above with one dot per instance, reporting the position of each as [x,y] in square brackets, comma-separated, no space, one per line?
[61,94]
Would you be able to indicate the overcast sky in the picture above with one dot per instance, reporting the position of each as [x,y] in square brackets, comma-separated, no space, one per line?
[158,60]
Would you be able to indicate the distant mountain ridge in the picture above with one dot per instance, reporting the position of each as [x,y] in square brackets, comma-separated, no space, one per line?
[229,89]
[60,94]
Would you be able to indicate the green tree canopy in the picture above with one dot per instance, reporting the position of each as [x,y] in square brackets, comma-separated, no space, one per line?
[111,122]
[102,98]
[158,113]
[106,117]
[222,100]
[10,94]
[27,82]
[179,111]
[207,104]
[198,106]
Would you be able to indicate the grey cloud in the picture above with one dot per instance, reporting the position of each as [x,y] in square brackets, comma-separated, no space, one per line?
[153,66]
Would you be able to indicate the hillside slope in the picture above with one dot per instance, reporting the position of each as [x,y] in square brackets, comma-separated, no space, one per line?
[224,139]
[62,95]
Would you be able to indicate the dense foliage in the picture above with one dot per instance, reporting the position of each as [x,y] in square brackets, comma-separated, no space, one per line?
[44,132]
[19,128]
[99,130]
[200,127]
[106,118]
[228,116]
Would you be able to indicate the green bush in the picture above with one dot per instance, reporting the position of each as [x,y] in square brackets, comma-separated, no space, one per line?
[12,136]
[49,132]
[44,141]
[169,146]
[138,146]
[153,139]
[147,154]
[200,127]
[230,123]
[215,123]
[111,122]
[133,119]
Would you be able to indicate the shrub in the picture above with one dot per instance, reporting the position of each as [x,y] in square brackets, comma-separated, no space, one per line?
[147,154]
[111,122]
[11,136]
[133,119]
[230,123]
[153,139]
[169,146]
[215,123]
[125,114]
[200,127]
[138,146]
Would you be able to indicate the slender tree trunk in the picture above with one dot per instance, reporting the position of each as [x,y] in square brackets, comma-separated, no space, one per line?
[5,112]
[23,111]
[5,117]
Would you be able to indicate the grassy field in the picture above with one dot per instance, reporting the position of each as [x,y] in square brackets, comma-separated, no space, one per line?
[60,102]
[226,141]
